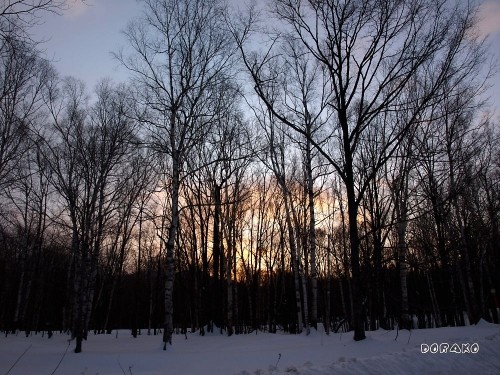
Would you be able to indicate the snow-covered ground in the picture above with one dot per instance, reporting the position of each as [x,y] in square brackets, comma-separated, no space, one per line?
[262,353]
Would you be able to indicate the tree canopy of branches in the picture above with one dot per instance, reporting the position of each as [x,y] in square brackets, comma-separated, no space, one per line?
[370,53]
[334,166]
[181,61]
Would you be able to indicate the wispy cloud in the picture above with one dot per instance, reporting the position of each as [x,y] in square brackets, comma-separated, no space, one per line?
[489,17]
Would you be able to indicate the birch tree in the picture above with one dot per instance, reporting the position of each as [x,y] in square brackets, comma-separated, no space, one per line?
[181,55]
[84,155]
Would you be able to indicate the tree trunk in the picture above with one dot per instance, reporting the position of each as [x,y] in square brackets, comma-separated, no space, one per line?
[312,231]
[217,258]
[328,281]
[435,307]
[352,212]
[295,263]
[403,271]
[170,247]
[231,254]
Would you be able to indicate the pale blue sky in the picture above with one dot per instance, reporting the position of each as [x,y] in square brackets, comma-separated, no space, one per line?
[81,40]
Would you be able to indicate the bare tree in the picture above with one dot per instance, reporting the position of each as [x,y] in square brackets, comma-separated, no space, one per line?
[17,16]
[23,75]
[462,140]
[276,147]
[28,199]
[88,147]
[306,103]
[224,159]
[371,52]
[181,55]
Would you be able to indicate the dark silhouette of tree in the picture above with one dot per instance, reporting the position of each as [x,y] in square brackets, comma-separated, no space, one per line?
[181,57]
[371,52]
[17,16]
[88,148]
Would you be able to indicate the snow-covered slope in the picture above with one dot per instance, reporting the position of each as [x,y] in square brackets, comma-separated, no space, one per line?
[316,354]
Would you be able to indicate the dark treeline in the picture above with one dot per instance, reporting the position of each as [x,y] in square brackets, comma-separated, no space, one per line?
[343,171]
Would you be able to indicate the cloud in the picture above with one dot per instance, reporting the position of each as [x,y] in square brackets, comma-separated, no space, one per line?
[77,8]
[489,17]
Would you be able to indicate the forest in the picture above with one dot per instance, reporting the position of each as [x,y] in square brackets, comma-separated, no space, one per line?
[267,167]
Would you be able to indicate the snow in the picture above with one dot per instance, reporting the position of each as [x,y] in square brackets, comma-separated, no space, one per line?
[261,353]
